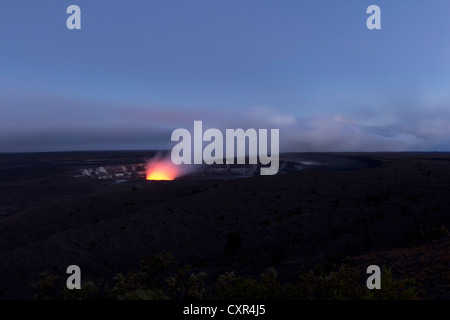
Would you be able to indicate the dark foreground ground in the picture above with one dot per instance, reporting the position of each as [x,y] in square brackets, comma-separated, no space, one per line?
[388,209]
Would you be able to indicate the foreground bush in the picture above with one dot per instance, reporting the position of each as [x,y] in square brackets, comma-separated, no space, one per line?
[154,280]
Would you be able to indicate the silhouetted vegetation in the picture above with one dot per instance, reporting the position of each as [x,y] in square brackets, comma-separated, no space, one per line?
[153,281]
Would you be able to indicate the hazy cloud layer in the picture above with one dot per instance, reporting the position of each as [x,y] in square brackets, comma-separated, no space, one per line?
[52,124]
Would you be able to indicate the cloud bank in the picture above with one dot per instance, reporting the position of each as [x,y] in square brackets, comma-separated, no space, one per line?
[56,124]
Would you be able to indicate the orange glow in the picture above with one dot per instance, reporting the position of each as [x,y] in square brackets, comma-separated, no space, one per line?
[162,170]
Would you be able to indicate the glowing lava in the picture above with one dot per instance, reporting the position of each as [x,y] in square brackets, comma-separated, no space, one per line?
[162,170]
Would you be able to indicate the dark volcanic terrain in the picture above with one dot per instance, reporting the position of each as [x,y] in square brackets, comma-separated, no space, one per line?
[376,208]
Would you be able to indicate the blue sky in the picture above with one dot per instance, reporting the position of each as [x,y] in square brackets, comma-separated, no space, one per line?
[139,69]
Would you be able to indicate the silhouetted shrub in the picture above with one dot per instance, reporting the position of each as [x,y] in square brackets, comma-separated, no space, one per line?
[153,281]
[47,287]
[88,291]
[232,287]
[347,283]
[187,285]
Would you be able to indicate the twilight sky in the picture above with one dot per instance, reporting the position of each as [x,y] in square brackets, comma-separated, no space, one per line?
[139,69]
